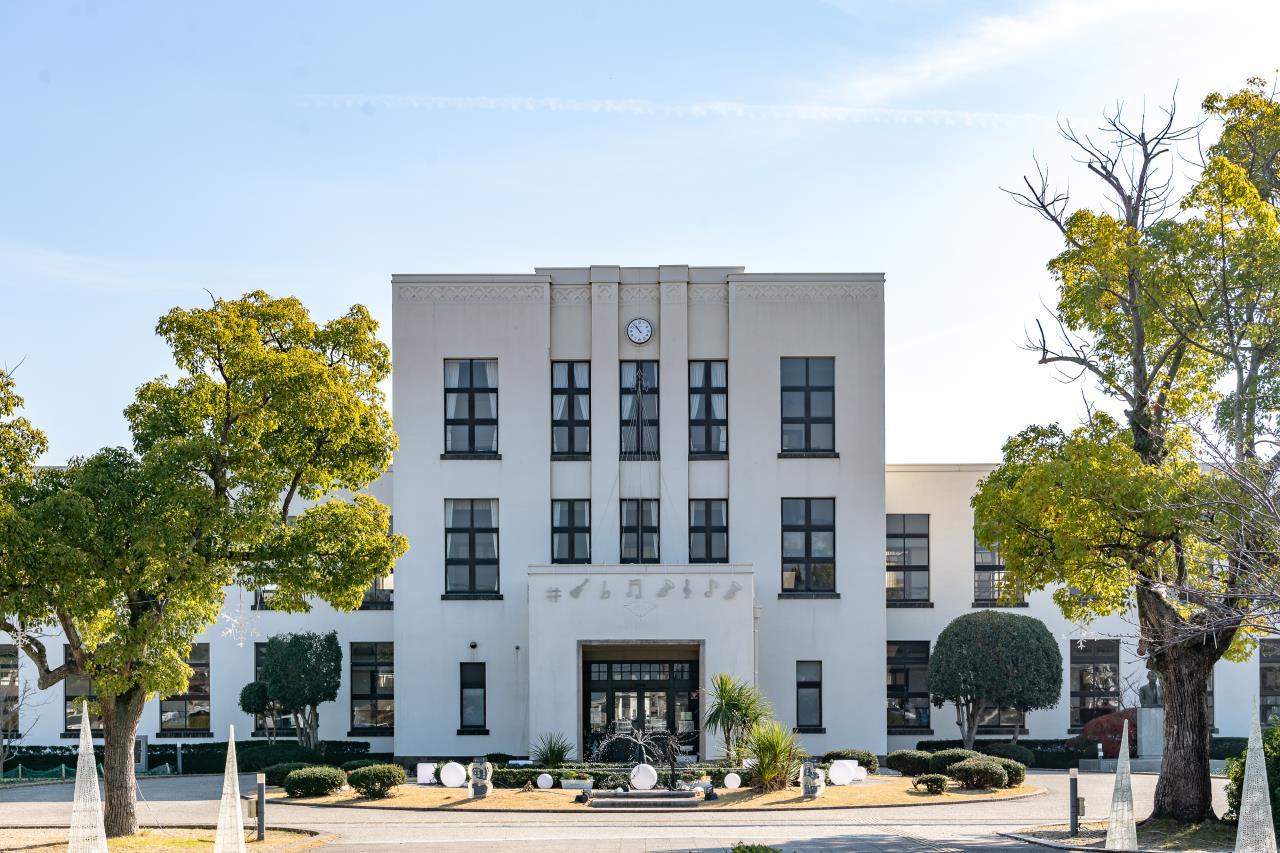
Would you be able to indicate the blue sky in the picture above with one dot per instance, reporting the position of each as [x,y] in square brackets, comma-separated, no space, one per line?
[151,150]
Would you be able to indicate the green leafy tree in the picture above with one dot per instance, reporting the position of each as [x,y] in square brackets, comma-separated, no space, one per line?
[128,552]
[734,710]
[988,660]
[299,673]
[1170,306]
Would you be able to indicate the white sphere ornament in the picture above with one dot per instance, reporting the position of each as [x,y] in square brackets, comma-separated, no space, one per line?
[732,781]
[545,781]
[453,775]
[842,772]
[643,777]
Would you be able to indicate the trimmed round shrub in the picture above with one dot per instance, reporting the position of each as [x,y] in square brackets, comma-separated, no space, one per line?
[1015,770]
[863,757]
[979,773]
[277,773]
[356,764]
[908,762]
[1020,754]
[376,781]
[314,781]
[940,762]
[934,783]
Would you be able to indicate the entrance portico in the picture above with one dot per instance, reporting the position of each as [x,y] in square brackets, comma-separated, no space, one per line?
[634,646]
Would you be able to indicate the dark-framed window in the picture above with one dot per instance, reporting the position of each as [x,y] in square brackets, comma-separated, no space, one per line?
[571,531]
[989,578]
[471,405]
[638,387]
[808,405]
[10,690]
[1095,679]
[906,557]
[907,685]
[471,545]
[189,711]
[472,699]
[373,688]
[381,593]
[808,695]
[1001,720]
[808,544]
[1269,682]
[708,531]
[639,525]
[75,689]
[570,408]
[708,408]
[282,724]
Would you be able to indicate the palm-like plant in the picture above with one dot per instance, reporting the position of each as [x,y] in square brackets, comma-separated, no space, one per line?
[777,755]
[551,750]
[735,709]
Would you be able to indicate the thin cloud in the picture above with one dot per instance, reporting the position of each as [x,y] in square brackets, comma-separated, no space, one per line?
[818,112]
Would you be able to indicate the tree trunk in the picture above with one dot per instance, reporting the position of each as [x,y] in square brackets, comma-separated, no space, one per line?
[967,720]
[120,716]
[1183,791]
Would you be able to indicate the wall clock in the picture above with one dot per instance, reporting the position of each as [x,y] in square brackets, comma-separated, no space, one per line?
[639,330]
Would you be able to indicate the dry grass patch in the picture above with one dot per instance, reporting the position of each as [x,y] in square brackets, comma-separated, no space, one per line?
[1152,835]
[151,840]
[415,797]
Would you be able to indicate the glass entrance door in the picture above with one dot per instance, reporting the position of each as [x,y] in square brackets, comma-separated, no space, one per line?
[624,698]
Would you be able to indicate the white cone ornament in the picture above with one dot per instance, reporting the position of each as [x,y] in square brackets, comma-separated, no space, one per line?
[230,837]
[1255,833]
[1122,829]
[88,833]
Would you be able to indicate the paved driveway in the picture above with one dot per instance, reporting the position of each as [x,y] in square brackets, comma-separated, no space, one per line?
[960,828]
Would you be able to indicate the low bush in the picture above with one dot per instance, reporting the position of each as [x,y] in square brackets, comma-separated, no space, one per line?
[1020,754]
[314,781]
[777,755]
[1016,771]
[551,750]
[277,773]
[500,757]
[753,848]
[516,777]
[940,762]
[1235,776]
[357,763]
[612,781]
[934,783]
[1227,747]
[979,773]
[376,781]
[908,762]
[863,757]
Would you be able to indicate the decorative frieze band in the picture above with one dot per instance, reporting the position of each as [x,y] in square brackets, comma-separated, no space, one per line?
[570,294]
[783,292]
[708,294]
[472,293]
[635,294]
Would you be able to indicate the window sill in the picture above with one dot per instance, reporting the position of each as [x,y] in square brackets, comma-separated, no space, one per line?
[999,604]
[381,605]
[570,457]
[176,735]
[480,456]
[371,732]
[808,454]
[1000,730]
[639,457]
[908,604]
[471,732]
[809,730]
[287,735]
[707,457]
[76,735]
[808,595]
[907,730]
[471,596]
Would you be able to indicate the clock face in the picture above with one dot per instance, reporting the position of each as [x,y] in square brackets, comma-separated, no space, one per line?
[639,330]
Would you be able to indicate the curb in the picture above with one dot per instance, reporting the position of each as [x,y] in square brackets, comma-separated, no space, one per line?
[1057,845]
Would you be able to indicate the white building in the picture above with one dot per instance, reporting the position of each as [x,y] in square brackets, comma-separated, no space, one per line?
[617,482]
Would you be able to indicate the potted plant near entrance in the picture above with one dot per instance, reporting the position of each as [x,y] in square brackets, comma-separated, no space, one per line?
[571,781]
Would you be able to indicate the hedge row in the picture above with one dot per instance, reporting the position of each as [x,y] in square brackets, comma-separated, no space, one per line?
[253,756]
[1047,754]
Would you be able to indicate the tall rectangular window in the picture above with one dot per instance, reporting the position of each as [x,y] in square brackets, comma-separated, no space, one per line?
[381,593]
[638,386]
[639,531]
[989,577]
[10,690]
[471,405]
[1269,682]
[808,545]
[471,545]
[75,689]
[570,408]
[808,405]
[373,688]
[708,531]
[808,695]
[708,408]
[908,685]
[906,557]
[189,712]
[571,531]
[472,700]
[1001,720]
[1095,679]
[281,725]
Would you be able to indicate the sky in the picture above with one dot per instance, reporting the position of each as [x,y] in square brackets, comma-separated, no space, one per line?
[152,151]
